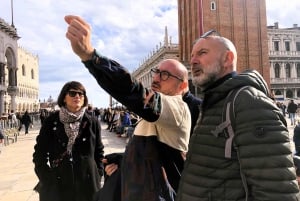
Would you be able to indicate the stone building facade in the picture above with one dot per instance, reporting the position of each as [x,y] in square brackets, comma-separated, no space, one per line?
[19,73]
[165,50]
[284,56]
[28,81]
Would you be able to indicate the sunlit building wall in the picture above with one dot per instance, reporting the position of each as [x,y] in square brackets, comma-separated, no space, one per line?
[284,56]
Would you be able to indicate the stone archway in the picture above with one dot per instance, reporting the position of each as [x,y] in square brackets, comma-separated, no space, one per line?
[12,88]
[8,66]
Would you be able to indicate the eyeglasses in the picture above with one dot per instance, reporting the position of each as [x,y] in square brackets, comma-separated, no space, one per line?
[164,75]
[74,93]
[209,33]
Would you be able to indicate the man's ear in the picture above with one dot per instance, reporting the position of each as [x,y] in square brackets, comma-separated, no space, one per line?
[184,85]
[229,57]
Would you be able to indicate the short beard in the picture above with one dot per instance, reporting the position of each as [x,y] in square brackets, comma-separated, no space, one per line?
[209,75]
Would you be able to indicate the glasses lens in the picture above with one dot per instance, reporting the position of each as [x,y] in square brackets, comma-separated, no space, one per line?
[154,71]
[164,75]
[73,93]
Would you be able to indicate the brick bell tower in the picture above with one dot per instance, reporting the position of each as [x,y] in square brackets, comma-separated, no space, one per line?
[244,22]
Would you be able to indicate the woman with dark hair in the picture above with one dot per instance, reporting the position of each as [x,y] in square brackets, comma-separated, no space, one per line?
[70,142]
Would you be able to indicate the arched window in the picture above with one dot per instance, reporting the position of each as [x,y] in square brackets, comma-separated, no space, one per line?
[277,70]
[32,74]
[298,93]
[277,92]
[298,70]
[213,5]
[287,70]
[289,94]
[23,70]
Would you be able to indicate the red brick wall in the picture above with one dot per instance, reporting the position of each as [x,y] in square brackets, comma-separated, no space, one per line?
[242,21]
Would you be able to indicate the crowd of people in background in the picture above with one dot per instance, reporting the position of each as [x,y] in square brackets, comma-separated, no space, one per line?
[18,119]
[291,110]
[119,121]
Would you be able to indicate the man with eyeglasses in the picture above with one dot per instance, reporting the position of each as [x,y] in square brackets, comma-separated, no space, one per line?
[153,159]
[192,101]
[260,163]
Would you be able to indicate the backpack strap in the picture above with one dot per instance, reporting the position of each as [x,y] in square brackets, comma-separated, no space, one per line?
[228,121]
[227,127]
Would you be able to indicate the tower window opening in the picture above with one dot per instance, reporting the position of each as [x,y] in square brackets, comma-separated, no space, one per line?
[213,5]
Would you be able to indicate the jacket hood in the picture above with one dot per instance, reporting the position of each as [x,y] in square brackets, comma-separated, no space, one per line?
[246,78]
[254,79]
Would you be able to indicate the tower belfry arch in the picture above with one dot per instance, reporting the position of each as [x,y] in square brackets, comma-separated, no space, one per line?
[8,66]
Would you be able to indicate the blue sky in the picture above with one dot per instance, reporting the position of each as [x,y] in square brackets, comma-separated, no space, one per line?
[125,30]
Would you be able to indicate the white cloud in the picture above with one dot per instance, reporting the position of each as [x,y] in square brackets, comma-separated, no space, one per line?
[123,30]
[286,13]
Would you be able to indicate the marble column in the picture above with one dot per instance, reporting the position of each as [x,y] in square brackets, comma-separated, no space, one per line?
[2,87]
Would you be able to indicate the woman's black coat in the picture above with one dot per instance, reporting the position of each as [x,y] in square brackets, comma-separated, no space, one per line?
[76,175]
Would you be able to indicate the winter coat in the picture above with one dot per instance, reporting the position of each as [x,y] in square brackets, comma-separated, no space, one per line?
[296,139]
[194,104]
[263,148]
[26,119]
[292,107]
[77,175]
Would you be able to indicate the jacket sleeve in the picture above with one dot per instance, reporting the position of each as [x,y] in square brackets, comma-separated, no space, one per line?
[264,148]
[99,148]
[118,82]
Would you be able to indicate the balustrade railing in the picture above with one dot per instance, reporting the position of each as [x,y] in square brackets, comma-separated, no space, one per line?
[285,80]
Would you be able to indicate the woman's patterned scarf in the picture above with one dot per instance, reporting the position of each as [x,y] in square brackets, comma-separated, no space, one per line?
[71,123]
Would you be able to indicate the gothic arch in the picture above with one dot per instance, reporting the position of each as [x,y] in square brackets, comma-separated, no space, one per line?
[23,70]
[32,74]
[11,64]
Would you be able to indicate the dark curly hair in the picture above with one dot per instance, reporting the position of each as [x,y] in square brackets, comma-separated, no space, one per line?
[71,85]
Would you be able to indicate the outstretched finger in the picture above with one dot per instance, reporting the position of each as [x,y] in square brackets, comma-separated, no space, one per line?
[70,18]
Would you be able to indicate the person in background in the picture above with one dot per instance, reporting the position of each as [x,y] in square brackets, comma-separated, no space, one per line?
[19,118]
[1,139]
[257,164]
[283,108]
[97,113]
[68,152]
[194,104]
[90,110]
[26,120]
[14,121]
[296,139]
[107,116]
[161,138]
[115,120]
[43,116]
[291,109]
[124,124]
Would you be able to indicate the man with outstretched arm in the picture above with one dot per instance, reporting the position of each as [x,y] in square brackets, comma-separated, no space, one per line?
[161,138]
